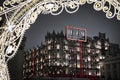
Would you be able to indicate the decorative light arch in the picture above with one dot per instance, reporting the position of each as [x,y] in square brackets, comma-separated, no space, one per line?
[19,14]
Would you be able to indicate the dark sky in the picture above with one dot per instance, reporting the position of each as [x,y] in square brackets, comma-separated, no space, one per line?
[85,17]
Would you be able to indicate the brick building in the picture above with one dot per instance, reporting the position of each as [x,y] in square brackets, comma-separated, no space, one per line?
[59,57]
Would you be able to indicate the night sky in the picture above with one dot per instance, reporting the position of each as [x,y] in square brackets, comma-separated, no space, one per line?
[85,17]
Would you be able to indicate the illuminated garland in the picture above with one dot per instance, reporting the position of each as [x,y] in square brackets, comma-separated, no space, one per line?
[19,14]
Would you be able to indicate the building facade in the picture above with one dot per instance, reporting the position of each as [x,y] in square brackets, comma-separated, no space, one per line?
[94,51]
[58,56]
[111,65]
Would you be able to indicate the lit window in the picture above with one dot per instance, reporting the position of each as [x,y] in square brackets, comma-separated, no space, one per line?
[49,47]
[49,41]
[98,47]
[78,49]
[65,63]
[89,66]
[90,73]
[58,46]
[88,50]
[41,67]
[23,65]
[85,60]
[49,63]
[100,57]
[98,74]
[97,51]
[32,63]
[41,51]
[78,65]
[67,56]
[106,44]
[58,63]
[41,60]
[106,48]
[66,47]
[66,42]
[62,65]
[78,44]
[103,57]
[37,68]
[88,45]
[78,57]
[37,61]
[58,55]
[49,56]
[98,66]
[89,59]
[58,72]
[99,42]
[74,64]
[97,59]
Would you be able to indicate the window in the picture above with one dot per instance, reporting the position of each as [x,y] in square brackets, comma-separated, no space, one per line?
[49,56]
[89,58]
[78,57]
[49,41]
[66,47]
[58,55]
[49,47]
[78,65]
[90,73]
[77,48]
[58,46]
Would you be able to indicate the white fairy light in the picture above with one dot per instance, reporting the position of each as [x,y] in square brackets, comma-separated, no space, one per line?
[9,49]
[49,6]
[10,28]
